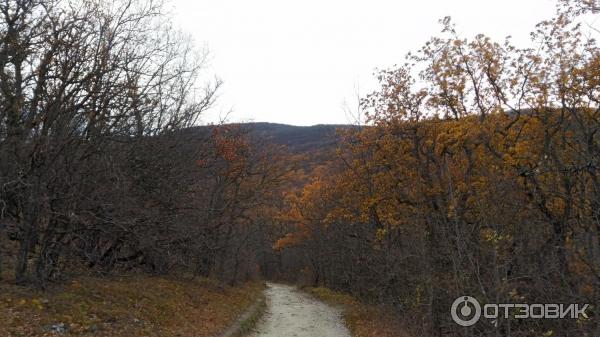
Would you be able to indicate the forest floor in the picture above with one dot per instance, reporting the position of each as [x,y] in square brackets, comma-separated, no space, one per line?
[363,320]
[293,313]
[124,306]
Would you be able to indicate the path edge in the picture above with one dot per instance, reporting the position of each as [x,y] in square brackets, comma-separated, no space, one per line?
[244,324]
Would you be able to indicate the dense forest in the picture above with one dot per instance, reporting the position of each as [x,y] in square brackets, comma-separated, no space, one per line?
[101,168]
[476,174]
[476,171]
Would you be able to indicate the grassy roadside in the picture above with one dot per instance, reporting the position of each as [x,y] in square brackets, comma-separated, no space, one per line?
[363,320]
[248,320]
[124,306]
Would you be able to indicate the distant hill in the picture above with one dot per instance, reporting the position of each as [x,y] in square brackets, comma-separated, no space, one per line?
[298,139]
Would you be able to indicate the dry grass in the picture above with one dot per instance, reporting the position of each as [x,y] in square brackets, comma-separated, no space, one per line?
[364,320]
[126,306]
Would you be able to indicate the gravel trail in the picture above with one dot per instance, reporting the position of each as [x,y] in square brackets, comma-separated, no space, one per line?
[291,313]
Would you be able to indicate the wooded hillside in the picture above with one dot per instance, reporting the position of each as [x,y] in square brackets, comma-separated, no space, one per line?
[476,175]
[476,172]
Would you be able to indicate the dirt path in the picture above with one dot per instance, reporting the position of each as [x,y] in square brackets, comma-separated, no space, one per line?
[291,313]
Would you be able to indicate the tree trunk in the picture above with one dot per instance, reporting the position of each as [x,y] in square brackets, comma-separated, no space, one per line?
[22,262]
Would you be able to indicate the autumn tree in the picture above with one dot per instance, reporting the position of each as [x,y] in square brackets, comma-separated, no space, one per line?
[475,174]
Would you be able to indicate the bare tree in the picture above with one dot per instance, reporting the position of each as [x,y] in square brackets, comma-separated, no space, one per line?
[82,88]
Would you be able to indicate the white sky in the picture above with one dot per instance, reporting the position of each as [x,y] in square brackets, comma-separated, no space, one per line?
[297,62]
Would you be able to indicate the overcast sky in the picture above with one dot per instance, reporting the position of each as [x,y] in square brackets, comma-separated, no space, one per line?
[297,62]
